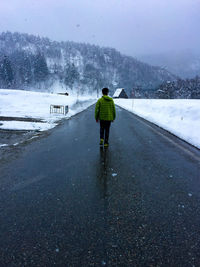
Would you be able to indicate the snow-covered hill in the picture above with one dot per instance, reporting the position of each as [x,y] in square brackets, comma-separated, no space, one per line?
[30,61]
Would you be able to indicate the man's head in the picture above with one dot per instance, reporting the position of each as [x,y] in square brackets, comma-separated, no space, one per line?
[105,91]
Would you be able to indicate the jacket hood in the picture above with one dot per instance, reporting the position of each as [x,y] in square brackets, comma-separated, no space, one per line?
[108,98]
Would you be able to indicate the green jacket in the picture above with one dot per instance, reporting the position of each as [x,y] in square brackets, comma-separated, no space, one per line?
[105,109]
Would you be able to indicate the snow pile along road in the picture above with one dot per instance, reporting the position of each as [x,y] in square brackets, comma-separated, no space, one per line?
[27,110]
[178,116]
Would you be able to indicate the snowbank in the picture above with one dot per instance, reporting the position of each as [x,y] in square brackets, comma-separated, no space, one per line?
[27,104]
[178,116]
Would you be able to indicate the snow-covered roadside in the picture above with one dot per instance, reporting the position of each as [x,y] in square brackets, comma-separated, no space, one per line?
[27,104]
[178,116]
[26,126]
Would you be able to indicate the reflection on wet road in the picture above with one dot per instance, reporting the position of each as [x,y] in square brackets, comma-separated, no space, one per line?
[67,202]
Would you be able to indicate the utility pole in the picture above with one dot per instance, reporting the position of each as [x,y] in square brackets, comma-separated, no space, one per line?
[97,92]
[77,94]
[132,96]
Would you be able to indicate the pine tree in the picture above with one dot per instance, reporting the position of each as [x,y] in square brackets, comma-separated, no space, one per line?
[25,69]
[71,75]
[6,72]
[40,68]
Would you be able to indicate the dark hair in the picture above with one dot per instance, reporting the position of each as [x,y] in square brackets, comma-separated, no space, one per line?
[105,91]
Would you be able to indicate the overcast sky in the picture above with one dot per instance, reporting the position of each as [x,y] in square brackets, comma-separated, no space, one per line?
[133,27]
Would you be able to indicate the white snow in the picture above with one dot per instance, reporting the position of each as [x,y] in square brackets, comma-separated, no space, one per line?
[28,104]
[178,116]
[25,125]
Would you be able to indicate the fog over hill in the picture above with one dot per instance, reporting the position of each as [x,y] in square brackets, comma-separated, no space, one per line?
[32,62]
[185,63]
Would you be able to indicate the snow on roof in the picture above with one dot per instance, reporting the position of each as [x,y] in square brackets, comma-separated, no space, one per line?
[118,92]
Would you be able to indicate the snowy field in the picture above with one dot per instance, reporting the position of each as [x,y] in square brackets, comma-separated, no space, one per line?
[178,116]
[36,106]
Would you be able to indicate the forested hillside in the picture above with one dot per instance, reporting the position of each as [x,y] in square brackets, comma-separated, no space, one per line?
[36,63]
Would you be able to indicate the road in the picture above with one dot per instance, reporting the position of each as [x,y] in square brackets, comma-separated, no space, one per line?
[66,202]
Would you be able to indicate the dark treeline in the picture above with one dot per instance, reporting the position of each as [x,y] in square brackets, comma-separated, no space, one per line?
[178,89]
[28,61]
[189,88]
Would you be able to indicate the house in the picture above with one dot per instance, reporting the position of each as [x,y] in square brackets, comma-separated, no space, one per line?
[120,93]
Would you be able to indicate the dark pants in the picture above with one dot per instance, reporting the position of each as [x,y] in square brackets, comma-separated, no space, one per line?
[104,130]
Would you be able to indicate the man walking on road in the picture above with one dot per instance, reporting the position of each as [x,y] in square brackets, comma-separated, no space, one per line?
[105,112]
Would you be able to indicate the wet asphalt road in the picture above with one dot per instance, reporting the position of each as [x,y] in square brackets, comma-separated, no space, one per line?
[65,202]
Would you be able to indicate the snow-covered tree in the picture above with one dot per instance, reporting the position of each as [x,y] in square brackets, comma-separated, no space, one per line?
[40,68]
[71,75]
[6,72]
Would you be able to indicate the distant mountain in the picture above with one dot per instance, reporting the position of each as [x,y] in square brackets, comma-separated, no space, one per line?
[35,63]
[185,64]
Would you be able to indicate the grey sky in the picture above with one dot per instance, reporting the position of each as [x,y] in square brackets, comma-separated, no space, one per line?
[132,26]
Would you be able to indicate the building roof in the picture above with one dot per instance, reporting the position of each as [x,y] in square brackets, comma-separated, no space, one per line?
[118,92]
